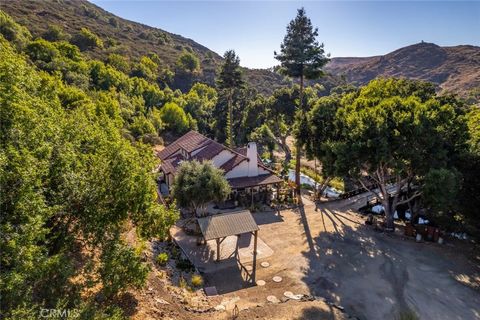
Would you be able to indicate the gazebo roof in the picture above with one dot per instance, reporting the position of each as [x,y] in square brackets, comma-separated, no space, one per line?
[227,224]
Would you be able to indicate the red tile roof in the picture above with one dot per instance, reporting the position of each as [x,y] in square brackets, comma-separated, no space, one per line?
[209,151]
[233,162]
[190,141]
[193,140]
[170,165]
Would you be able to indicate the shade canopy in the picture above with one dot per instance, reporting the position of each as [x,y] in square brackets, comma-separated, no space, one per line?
[227,224]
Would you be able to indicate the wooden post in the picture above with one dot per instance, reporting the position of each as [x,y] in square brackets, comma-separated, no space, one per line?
[251,192]
[254,271]
[218,249]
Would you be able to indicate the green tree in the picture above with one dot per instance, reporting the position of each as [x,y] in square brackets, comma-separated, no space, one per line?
[396,132]
[141,126]
[281,113]
[200,103]
[68,179]
[324,131]
[230,79]
[301,56]
[197,184]
[264,136]
[174,117]
[188,62]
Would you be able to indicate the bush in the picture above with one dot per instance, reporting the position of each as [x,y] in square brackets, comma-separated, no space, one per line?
[12,31]
[162,258]
[182,283]
[55,33]
[197,280]
[42,50]
[86,39]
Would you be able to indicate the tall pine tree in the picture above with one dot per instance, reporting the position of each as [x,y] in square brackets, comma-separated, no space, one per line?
[301,56]
[229,79]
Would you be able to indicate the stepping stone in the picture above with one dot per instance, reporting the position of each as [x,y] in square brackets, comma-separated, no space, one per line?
[265,264]
[249,268]
[277,279]
[260,283]
[273,299]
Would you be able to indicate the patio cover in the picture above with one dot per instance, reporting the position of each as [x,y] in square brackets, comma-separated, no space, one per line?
[227,224]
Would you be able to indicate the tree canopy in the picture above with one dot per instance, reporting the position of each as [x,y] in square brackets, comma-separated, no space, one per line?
[68,177]
[230,79]
[301,56]
[196,184]
[395,131]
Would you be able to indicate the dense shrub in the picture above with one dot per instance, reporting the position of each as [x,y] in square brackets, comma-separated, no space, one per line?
[86,40]
[55,33]
[13,32]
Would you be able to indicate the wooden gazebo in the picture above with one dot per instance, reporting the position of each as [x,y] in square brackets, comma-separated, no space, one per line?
[220,226]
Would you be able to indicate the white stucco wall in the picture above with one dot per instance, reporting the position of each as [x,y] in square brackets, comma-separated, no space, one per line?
[241,170]
[221,158]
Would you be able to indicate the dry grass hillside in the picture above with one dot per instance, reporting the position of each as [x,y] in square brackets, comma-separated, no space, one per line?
[453,69]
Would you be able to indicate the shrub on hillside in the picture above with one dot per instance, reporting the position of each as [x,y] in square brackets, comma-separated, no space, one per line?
[55,33]
[86,39]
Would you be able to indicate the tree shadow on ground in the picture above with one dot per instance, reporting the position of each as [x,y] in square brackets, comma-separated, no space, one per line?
[315,313]
[128,303]
[368,272]
[344,255]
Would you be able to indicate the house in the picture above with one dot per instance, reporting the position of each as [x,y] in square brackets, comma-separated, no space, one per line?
[242,167]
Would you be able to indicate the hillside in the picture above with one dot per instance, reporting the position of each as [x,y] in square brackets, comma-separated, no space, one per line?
[128,38]
[453,69]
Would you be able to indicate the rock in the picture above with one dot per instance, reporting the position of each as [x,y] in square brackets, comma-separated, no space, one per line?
[220,307]
[265,264]
[292,296]
[161,301]
[277,279]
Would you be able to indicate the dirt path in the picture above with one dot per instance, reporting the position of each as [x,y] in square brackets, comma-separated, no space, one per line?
[329,252]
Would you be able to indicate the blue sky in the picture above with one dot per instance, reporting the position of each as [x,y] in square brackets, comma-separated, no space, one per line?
[254,29]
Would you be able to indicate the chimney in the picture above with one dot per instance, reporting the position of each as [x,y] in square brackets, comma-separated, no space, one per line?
[252,159]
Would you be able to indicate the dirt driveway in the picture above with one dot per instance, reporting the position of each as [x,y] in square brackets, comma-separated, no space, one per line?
[329,252]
